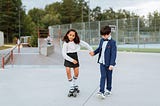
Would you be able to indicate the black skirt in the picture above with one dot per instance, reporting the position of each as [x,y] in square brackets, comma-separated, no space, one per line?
[70,64]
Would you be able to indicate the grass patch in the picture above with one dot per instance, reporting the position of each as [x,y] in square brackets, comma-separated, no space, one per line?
[7,46]
[148,50]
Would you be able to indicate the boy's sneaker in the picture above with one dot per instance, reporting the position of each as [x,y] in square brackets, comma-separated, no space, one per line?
[108,93]
[101,95]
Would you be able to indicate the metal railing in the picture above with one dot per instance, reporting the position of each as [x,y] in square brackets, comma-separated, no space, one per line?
[8,56]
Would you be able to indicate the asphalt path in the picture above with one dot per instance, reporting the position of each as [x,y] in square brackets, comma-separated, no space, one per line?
[37,80]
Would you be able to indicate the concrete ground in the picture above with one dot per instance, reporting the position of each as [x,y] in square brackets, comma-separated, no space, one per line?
[36,80]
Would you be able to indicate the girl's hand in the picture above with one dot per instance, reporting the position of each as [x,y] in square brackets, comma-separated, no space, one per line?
[110,67]
[75,62]
[91,53]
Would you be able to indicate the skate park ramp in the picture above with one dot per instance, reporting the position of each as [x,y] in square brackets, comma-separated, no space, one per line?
[30,56]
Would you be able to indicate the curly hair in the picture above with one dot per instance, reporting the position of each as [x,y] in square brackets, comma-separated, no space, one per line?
[76,39]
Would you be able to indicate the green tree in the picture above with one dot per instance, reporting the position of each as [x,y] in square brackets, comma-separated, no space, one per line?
[9,13]
[71,11]
[154,21]
[84,10]
[108,14]
[67,11]
[37,16]
[96,14]
[52,15]
[29,27]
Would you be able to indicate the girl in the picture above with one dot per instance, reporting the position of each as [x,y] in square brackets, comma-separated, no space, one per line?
[70,48]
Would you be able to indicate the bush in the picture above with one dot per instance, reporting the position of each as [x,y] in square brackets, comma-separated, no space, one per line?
[34,41]
[14,40]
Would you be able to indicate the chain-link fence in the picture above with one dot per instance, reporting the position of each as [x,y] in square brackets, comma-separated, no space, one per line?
[133,31]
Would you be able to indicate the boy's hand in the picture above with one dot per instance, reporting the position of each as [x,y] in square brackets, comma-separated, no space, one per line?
[91,53]
[75,62]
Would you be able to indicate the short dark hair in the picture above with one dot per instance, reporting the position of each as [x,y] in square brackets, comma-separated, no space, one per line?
[105,30]
[76,39]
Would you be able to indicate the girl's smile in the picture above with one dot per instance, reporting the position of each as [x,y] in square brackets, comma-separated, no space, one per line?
[71,36]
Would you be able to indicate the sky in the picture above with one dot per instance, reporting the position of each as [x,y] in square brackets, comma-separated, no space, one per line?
[140,7]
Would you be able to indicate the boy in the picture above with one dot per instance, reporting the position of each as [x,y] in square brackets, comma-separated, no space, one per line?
[107,55]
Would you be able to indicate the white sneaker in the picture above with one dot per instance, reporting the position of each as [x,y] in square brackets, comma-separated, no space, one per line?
[108,93]
[71,89]
[101,95]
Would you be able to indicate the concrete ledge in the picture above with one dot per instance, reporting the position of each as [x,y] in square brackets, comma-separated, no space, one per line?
[47,50]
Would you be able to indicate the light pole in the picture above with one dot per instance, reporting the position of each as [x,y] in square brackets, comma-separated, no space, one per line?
[19,24]
[88,10]
[89,27]
[82,11]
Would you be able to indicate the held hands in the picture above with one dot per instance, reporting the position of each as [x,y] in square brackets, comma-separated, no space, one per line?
[91,53]
[75,61]
[110,67]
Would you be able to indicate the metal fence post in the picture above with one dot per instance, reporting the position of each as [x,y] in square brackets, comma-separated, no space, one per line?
[99,28]
[117,31]
[138,31]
